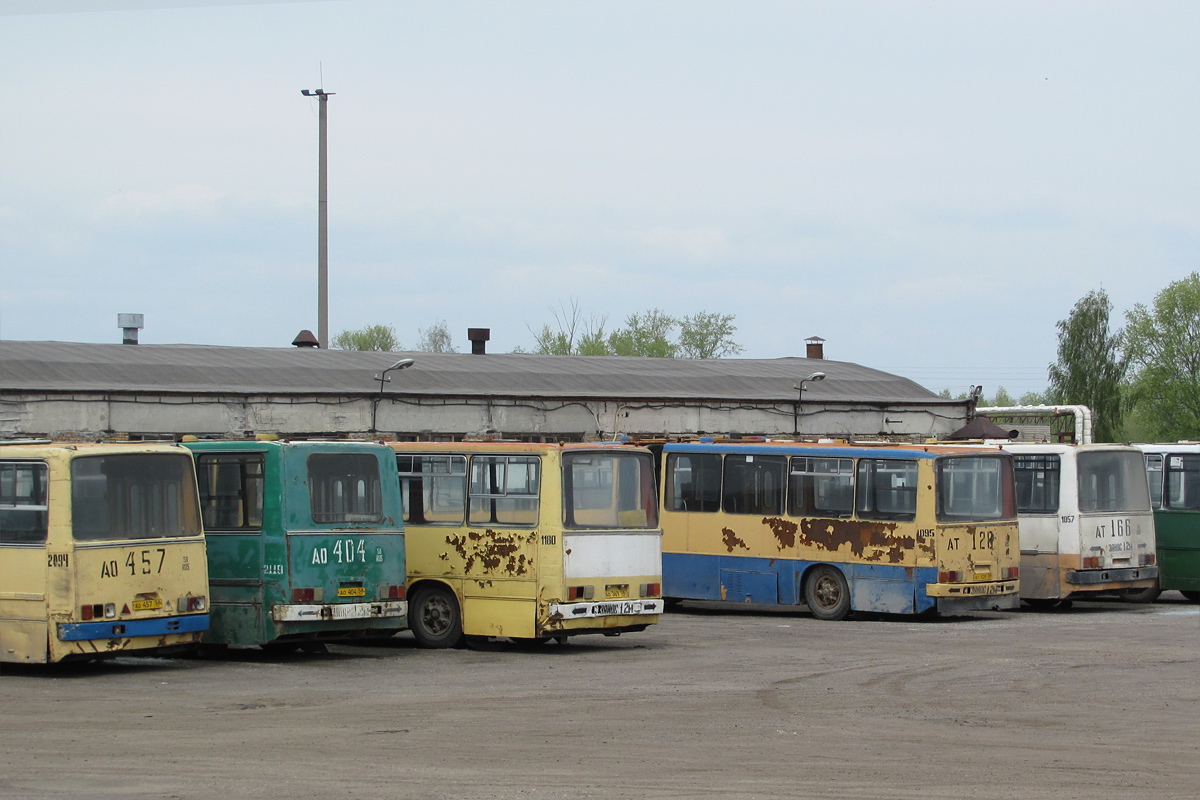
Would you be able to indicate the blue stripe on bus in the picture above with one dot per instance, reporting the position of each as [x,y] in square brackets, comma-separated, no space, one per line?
[873,587]
[124,629]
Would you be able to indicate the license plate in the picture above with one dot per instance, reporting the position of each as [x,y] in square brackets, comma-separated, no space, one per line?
[983,576]
[352,591]
[617,608]
[616,591]
[147,605]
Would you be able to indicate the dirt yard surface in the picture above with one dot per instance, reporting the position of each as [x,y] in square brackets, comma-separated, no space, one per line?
[1099,701]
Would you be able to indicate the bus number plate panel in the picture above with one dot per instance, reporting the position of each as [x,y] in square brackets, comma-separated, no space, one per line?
[147,605]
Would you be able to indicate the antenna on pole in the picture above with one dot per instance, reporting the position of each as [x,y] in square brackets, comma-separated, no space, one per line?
[322,220]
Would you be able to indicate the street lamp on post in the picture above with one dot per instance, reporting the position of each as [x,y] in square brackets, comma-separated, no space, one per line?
[322,222]
[816,376]
[383,379]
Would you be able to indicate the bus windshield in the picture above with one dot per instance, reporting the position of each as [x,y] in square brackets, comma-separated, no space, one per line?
[133,496]
[609,490]
[976,489]
[1113,481]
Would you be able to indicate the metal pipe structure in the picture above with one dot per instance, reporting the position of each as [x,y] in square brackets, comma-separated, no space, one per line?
[322,220]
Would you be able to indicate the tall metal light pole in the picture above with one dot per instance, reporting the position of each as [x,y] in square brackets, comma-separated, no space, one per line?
[322,223]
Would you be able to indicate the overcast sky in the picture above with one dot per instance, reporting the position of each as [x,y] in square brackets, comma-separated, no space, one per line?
[928,186]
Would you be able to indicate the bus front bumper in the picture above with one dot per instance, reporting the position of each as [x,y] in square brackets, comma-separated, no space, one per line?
[605,608]
[317,613]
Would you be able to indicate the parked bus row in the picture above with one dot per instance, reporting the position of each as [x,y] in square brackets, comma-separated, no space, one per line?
[114,548]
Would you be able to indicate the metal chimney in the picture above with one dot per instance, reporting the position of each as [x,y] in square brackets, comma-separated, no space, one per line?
[130,324]
[479,338]
[305,338]
[814,347]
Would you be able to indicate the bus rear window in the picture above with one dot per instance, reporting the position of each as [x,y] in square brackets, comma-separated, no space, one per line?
[23,508]
[974,489]
[133,496]
[344,488]
[1113,481]
[609,490]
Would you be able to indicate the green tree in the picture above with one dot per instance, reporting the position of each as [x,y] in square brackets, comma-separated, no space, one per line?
[1033,399]
[1002,399]
[372,337]
[1091,364]
[647,335]
[1163,346]
[436,339]
[707,335]
[575,334]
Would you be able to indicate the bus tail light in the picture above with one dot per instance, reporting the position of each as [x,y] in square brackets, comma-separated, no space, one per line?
[651,589]
[1091,562]
[395,593]
[950,576]
[1010,573]
[1147,560]
[185,604]
[580,592]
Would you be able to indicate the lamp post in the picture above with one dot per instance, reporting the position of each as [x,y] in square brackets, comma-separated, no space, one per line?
[383,379]
[816,376]
[322,222]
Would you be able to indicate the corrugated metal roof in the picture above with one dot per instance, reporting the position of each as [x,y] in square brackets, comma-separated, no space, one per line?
[206,369]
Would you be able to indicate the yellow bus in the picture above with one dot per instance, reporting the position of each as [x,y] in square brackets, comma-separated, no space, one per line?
[101,551]
[898,529]
[529,541]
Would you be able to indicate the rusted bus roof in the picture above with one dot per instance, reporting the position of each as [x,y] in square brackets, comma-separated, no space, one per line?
[205,369]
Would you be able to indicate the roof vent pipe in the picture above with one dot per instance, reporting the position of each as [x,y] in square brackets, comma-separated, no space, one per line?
[814,347]
[479,338]
[130,324]
[305,338]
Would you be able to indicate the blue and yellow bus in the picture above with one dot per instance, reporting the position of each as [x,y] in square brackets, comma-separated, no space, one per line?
[101,551]
[305,541]
[899,529]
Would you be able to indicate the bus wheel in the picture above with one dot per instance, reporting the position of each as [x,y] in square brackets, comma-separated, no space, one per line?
[1148,595]
[1194,596]
[434,619]
[826,593]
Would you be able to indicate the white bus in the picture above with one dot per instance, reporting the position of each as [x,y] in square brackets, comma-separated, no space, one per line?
[1086,521]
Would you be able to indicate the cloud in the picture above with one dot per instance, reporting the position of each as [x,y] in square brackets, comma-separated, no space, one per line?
[697,243]
[192,200]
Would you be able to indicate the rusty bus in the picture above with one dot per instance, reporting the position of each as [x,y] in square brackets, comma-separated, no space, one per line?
[101,551]
[841,528]
[1086,521]
[529,541]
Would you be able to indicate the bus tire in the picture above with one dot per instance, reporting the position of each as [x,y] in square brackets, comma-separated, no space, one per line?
[1147,595]
[1192,595]
[827,594]
[434,618]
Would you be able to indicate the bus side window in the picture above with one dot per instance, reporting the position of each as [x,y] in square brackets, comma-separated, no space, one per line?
[821,487]
[1183,482]
[887,489]
[231,490]
[1154,477]
[694,482]
[754,484]
[24,511]
[434,488]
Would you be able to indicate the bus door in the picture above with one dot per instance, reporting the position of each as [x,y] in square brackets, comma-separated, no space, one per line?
[1045,509]
[231,490]
[25,560]
[1178,523]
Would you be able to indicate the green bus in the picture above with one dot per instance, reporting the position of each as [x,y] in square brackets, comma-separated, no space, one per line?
[305,541]
[1173,471]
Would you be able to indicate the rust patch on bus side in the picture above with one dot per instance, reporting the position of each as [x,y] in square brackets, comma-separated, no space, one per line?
[878,537]
[731,540]
[493,551]
[784,530]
